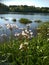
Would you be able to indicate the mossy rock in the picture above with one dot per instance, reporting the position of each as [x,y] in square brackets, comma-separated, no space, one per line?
[38,21]
[25,21]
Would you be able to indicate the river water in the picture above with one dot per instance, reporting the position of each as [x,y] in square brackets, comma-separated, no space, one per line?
[32,17]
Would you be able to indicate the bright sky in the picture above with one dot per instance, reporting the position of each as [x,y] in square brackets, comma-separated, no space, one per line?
[37,3]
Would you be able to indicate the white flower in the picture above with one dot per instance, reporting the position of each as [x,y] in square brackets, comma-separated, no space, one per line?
[21,46]
[29,30]
[48,28]
[8,26]
[26,31]
[31,33]
[11,26]
[48,39]
[17,34]
[47,34]
[23,33]
[14,26]
[26,43]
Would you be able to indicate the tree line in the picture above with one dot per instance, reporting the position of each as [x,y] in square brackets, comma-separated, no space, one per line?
[23,9]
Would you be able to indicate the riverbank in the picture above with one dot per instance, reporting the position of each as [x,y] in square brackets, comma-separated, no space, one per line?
[24,51]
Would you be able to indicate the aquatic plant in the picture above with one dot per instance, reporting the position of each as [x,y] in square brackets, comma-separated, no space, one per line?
[25,21]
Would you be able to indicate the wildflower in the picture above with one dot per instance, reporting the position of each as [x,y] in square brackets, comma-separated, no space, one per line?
[31,33]
[29,30]
[26,31]
[23,33]
[47,34]
[26,43]
[48,39]
[11,26]
[21,46]
[17,34]
[15,26]
[48,28]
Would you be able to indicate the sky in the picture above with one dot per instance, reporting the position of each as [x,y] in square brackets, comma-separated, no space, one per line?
[37,3]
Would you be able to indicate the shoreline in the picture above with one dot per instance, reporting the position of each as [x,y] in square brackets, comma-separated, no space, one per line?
[31,13]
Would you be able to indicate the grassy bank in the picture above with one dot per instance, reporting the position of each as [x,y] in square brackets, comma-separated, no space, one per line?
[25,51]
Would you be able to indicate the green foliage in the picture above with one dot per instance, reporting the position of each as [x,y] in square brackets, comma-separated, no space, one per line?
[23,9]
[4,8]
[29,9]
[33,51]
[25,21]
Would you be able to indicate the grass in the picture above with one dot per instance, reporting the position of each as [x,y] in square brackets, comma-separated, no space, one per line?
[23,51]
[25,21]
[36,52]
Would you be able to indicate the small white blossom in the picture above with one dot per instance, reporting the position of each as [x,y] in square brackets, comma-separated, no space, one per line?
[29,30]
[31,33]
[47,34]
[26,31]
[17,34]
[23,33]
[48,39]
[11,26]
[26,43]
[48,28]
[21,46]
